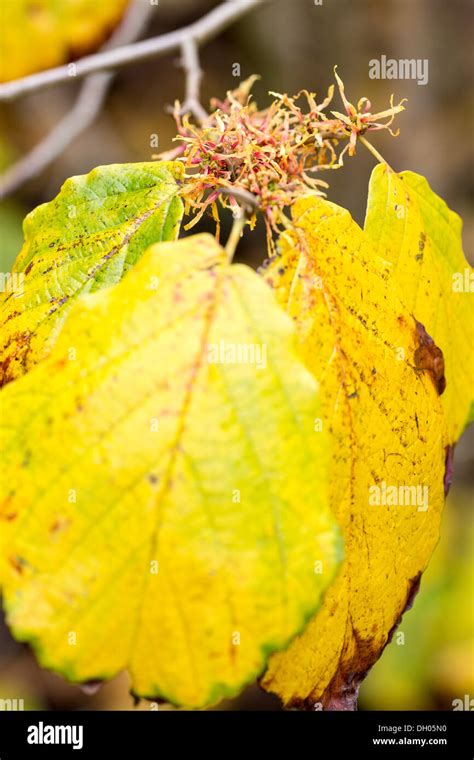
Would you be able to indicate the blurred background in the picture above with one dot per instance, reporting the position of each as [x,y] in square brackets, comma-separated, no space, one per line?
[294,45]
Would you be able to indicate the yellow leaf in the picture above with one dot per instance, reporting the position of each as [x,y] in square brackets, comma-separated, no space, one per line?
[414,229]
[83,240]
[44,33]
[166,503]
[388,435]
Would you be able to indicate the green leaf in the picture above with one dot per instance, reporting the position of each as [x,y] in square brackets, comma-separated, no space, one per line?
[167,487]
[85,239]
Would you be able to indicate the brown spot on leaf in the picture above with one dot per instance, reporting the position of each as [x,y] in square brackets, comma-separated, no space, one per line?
[429,358]
[19,344]
[6,513]
[59,524]
[12,315]
[18,564]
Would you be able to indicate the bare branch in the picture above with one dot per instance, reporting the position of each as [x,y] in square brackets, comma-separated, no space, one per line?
[192,69]
[200,32]
[82,114]
[94,90]
[235,235]
[248,200]
[86,108]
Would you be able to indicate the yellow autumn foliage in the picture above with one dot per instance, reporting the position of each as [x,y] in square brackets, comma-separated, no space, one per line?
[45,33]
[388,439]
[164,505]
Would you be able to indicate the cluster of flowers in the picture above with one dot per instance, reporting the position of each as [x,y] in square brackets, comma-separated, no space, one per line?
[263,160]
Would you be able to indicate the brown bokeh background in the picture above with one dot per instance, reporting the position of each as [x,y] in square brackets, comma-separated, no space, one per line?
[294,44]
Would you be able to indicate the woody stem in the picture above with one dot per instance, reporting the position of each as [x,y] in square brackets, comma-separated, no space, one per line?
[371,148]
[235,235]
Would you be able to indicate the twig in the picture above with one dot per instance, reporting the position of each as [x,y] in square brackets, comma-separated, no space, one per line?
[372,150]
[241,215]
[94,90]
[235,234]
[248,200]
[86,108]
[200,31]
[192,69]
[83,113]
